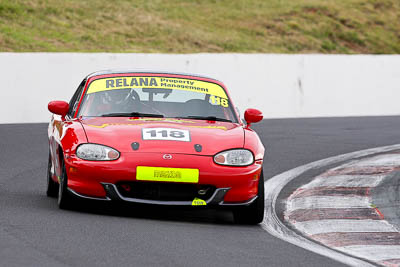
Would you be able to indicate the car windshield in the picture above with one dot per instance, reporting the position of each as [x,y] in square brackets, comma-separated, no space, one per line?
[157,97]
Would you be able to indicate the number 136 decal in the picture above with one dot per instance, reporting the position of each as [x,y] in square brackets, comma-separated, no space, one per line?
[165,134]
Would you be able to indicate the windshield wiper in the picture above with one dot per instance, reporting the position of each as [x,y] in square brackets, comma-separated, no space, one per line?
[208,118]
[133,114]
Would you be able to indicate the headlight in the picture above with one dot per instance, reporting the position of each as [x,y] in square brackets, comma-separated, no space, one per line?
[234,157]
[96,152]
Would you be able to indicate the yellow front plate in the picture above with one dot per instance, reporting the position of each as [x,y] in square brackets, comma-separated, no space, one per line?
[161,174]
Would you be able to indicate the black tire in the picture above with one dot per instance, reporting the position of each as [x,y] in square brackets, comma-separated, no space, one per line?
[65,200]
[254,213]
[52,187]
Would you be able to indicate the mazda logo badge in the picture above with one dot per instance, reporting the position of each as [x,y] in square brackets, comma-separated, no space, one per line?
[167,156]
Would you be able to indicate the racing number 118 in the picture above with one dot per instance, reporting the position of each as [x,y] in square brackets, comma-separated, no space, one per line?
[164,133]
[219,101]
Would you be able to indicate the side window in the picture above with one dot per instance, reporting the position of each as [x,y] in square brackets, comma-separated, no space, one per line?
[73,103]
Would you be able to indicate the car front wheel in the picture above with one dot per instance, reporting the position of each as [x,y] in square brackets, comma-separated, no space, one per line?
[52,187]
[254,213]
[65,200]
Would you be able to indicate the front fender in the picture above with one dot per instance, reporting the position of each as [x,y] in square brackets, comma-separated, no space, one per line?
[253,143]
[64,137]
[73,135]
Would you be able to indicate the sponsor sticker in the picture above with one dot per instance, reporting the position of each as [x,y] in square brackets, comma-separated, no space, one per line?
[104,125]
[198,202]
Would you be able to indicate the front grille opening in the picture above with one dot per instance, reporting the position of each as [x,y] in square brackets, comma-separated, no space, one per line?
[165,191]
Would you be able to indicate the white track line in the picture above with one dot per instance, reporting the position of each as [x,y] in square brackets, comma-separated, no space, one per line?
[375,253]
[343,226]
[327,202]
[380,160]
[273,225]
[346,181]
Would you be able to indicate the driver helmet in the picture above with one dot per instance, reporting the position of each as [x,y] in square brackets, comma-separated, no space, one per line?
[117,96]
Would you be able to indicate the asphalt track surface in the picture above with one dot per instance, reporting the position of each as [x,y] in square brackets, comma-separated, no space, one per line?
[34,232]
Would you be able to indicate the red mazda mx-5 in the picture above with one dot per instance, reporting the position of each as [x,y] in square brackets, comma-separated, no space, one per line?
[156,138]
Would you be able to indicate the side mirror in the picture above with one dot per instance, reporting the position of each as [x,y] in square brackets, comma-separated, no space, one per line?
[252,116]
[59,108]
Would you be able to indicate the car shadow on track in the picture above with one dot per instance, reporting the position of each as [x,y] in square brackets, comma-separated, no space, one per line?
[152,212]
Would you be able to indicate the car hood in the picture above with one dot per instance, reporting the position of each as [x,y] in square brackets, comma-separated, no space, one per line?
[120,133]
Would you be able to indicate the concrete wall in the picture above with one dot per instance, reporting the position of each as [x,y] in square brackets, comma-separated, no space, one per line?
[279,85]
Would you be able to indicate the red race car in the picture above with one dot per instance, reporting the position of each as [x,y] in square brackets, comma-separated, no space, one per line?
[156,138]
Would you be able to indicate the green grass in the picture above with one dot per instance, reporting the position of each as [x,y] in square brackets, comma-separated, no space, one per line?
[191,26]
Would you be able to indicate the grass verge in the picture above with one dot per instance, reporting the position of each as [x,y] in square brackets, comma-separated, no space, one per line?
[191,26]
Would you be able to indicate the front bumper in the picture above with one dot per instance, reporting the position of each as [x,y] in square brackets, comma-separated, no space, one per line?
[112,193]
[98,180]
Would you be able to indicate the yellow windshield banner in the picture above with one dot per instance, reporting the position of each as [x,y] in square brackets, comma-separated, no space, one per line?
[156,82]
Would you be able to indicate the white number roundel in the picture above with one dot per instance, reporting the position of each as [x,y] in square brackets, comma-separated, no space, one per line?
[165,134]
